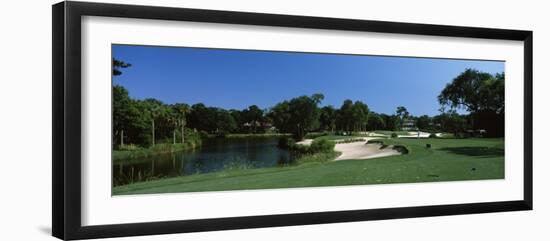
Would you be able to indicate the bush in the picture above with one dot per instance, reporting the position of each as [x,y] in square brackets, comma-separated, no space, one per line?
[318,157]
[401,148]
[321,145]
[393,135]
[433,135]
[286,142]
[128,147]
[203,134]
[162,147]
[350,140]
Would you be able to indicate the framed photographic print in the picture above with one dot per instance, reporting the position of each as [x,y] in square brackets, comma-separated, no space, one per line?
[170,120]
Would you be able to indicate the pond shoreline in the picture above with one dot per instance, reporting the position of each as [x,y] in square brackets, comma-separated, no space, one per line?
[164,148]
[120,156]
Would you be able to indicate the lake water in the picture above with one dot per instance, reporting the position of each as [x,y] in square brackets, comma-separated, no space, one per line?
[215,154]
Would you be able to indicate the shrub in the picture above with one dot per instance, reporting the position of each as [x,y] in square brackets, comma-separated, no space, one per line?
[401,148]
[162,147]
[128,147]
[393,135]
[321,145]
[318,157]
[203,134]
[350,140]
[286,142]
[433,135]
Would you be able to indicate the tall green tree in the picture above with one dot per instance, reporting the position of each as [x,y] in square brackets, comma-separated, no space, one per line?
[123,114]
[451,122]
[327,118]
[423,122]
[480,93]
[360,115]
[254,117]
[403,114]
[157,112]
[375,122]
[392,121]
[345,116]
[224,122]
[198,117]
[297,116]
[180,114]
[121,103]
[117,65]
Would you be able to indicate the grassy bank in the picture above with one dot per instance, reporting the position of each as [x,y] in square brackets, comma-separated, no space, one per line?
[446,160]
[125,155]
[129,152]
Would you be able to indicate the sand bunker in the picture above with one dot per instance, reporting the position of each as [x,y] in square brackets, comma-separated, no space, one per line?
[305,142]
[415,134]
[359,150]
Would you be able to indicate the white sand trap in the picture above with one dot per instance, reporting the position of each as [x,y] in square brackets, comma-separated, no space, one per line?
[416,134]
[306,142]
[361,150]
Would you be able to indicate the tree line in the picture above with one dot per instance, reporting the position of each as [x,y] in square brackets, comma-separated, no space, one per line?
[145,122]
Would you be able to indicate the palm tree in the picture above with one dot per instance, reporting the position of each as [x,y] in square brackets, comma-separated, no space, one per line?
[154,114]
[403,114]
[180,112]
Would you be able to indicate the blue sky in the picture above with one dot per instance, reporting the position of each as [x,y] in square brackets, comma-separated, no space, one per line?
[236,79]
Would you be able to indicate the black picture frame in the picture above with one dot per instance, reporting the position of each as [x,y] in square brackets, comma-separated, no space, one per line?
[66,128]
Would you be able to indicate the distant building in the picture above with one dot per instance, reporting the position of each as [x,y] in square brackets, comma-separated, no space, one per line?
[408,125]
[476,133]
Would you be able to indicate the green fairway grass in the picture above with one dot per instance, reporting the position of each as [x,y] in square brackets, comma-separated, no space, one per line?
[446,160]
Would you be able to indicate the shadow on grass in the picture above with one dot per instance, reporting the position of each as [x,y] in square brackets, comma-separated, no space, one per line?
[478,151]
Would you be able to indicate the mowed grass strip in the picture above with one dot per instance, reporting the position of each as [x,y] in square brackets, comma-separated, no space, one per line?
[445,160]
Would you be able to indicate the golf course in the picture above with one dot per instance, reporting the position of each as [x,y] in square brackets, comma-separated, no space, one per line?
[188,119]
[446,160]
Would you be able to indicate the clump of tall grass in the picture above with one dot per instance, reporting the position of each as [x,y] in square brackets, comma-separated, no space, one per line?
[317,157]
[128,147]
[320,150]
[129,151]
[238,165]
[350,140]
